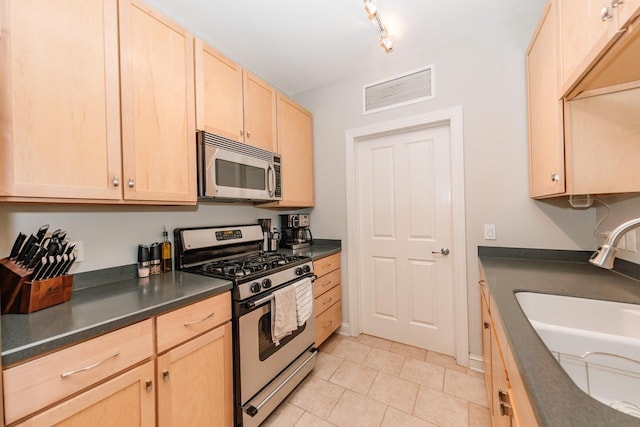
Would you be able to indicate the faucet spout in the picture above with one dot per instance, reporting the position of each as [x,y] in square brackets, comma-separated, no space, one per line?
[605,255]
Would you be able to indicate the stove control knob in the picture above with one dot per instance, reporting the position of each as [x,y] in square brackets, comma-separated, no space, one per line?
[266,283]
[299,271]
[255,287]
[306,268]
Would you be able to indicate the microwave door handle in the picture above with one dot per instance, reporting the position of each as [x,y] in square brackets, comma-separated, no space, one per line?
[271,179]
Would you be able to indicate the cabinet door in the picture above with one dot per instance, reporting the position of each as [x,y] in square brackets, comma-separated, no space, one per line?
[218,94]
[295,144]
[259,113]
[59,99]
[158,108]
[486,347]
[628,10]
[500,386]
[584,36]
[546,141]
[125,401]
[195,386]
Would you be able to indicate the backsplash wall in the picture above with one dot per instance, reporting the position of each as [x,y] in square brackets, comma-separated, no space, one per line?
[622,208]
[111,234]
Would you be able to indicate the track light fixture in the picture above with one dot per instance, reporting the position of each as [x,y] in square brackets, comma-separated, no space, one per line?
[386,39]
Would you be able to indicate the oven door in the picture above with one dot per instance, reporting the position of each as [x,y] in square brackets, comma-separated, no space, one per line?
[260,359]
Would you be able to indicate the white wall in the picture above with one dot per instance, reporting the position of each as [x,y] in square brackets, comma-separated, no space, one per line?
[111,234]
[485,74]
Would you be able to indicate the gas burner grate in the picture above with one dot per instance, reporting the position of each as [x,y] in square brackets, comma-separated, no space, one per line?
[249,265]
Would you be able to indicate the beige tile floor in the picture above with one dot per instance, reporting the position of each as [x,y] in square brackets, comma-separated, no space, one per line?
[372,382]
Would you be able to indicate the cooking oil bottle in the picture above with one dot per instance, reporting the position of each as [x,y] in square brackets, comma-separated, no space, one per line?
[166,251]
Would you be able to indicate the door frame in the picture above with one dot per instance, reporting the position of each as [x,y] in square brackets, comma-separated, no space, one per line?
[453,118]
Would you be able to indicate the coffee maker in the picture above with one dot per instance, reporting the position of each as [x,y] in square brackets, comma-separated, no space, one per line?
[270,238]
[295,231]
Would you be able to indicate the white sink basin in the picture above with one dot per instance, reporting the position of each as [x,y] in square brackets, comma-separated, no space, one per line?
[596,342]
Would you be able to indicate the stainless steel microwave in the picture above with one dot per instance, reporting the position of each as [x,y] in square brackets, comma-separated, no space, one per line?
[229,170]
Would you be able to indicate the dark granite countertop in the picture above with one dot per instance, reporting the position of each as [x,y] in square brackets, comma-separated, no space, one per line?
[96,310]
[558,402]
[106,300]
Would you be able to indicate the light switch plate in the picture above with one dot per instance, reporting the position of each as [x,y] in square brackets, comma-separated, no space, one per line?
[489,232]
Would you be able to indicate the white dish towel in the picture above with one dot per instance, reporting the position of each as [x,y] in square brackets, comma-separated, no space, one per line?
[304,300]
[283,313]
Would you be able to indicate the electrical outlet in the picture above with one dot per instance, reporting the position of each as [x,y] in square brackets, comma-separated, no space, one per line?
[630,239]
[489,232]
[79,251]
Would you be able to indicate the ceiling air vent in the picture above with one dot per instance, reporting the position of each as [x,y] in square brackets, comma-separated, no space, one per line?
[408,88]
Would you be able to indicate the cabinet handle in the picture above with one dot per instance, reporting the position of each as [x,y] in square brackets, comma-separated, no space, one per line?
[329,323]
[486,325]
[87,368]
[241,132]
[605,14]
[195,322]
[149,386]
[505,407]
[248,134]
[165,376]
[616,3]
[327,301]
[555,177]
[116,181]
[131,183]
[327,283]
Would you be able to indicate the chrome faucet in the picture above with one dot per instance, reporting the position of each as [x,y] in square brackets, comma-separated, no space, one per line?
[606,253]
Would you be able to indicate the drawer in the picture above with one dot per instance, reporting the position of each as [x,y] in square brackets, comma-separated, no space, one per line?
[187,322]
[328,322]
[33,385]
[326,264]
[326,282]
[327,299]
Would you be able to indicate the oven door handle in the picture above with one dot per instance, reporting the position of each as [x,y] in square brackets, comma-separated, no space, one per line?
[252,304]
[253,410]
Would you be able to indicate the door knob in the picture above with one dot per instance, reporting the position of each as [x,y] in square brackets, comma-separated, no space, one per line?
[443,251]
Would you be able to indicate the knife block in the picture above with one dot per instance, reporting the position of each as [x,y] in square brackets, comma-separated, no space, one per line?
[21,295]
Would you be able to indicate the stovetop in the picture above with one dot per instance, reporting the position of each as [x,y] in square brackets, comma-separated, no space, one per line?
[248,267]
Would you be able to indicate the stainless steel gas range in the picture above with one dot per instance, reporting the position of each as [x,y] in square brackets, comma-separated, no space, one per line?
[264,372]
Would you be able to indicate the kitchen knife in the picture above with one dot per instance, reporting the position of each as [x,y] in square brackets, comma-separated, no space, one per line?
[59,267]
[41,233]
[67,267]
[38,272]
[50,266]
[29,256]
[15,250]
[26,248]
[42,251]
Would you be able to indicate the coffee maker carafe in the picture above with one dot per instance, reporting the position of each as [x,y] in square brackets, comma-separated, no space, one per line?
[295,231]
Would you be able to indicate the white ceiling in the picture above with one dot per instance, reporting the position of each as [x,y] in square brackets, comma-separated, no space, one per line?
[300,44]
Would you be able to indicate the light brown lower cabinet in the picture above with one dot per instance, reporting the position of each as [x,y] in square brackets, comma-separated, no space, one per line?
[116,379]
[195,385]
[128,400]
[508,400]
[327,294]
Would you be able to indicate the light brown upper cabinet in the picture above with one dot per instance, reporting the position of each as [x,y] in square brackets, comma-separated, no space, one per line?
[232,102]
[96,104]
[295,144]
[596,39]
[583,146]
[59,100]
[158,107]
[546,139]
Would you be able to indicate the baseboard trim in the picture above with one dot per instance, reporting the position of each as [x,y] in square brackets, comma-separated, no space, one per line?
[344,329]
[476,363]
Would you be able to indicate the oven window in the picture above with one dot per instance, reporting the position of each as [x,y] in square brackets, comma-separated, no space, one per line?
[267,347]
[237,175]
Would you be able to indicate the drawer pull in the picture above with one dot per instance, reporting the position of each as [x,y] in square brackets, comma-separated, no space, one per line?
[149,386]
[486,325]
[165,376]
[328,283]
[327,301]
[195,322]
[87,368]
[329,323]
